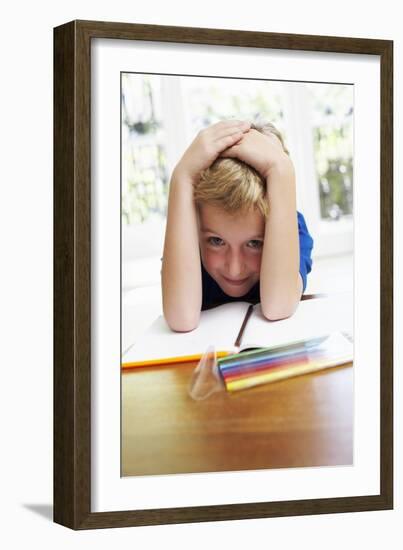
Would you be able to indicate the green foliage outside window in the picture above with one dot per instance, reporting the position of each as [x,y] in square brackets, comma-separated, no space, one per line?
[333,146]
[144,174]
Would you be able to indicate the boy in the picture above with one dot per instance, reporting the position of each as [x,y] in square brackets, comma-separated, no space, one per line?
[233,232]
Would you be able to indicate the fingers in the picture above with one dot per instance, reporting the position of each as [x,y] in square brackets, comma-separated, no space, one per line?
[224,124]
[232,151]
[228,128]
[214,139]
[224,128]
[228,133]
[228,142]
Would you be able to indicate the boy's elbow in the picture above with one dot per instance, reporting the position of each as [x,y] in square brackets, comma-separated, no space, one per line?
[182,324]
[284,307]
[277,314]
[183,327]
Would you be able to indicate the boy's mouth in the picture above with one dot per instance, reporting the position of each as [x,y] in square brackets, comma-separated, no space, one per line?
[236,282]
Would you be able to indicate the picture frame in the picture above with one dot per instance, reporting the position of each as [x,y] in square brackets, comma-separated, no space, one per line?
[73,271]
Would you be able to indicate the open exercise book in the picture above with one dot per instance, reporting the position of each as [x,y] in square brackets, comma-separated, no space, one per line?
[221,326]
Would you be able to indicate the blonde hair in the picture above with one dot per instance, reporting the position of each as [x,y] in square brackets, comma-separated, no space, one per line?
[234,185]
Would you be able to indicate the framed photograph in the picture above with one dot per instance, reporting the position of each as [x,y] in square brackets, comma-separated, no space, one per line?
[234,411]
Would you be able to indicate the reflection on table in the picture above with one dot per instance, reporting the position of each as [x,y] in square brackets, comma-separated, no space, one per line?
[300,422]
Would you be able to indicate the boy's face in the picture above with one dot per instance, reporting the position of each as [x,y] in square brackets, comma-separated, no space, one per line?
[231,247]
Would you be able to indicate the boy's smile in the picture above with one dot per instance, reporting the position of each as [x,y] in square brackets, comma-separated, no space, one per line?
[231,247]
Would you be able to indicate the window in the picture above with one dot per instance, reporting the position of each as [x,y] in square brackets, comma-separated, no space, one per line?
[162,114]
[319,124]
[333,147]
[144,171]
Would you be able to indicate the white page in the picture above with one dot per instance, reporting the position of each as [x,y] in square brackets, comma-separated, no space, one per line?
[218,327]
[312,318]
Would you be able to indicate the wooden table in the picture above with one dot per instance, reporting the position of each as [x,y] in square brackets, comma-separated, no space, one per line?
[303,421]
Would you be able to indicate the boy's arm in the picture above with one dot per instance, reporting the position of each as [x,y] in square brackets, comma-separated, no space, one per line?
[181,268]
[280,281]
[181,271]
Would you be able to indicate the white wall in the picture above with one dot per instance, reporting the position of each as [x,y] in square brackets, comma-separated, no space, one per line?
[26,272]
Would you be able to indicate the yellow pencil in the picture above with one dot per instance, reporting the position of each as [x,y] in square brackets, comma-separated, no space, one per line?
[170,360]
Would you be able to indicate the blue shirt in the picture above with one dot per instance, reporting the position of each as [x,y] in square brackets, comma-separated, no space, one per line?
[213,295]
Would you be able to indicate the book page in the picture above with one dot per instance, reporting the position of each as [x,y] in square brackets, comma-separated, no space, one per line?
[313,318]
[218,327]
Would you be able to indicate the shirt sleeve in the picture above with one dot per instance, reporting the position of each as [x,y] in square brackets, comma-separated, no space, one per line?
[305,249]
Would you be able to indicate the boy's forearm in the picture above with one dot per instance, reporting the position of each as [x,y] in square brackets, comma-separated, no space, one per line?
[181,270]
[280,281]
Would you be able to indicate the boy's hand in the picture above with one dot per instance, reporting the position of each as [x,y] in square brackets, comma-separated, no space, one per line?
[208,145]
[262,152]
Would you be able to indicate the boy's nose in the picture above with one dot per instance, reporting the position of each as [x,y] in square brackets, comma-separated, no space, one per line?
[234,265]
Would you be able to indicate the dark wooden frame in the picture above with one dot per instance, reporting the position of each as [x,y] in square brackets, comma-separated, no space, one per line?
[72,270]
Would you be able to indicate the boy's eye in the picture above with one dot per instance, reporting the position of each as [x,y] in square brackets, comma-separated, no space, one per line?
[215,241]
[256,244]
